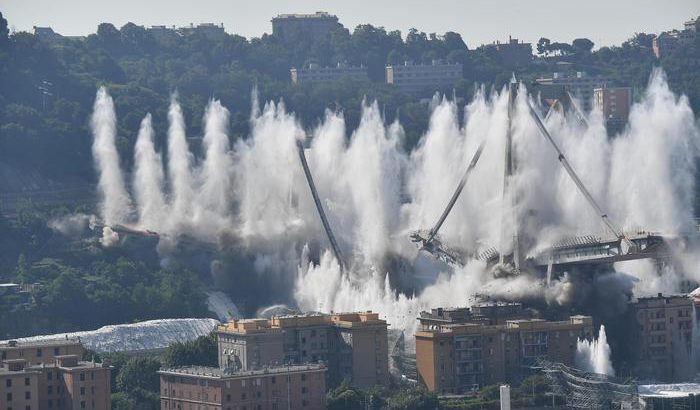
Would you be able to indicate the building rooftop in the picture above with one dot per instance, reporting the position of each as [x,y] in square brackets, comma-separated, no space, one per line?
[515,324]
[14,344]
[278,323]
[217,373]
[316,15]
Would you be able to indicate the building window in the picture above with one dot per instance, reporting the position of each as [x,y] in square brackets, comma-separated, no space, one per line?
[8,397]
[56,351]
[82,404]
[92,375]
[49,376]
[27,395]
[82,376]
[8,382]
[27,382]
[273,380]
[38,352]
[50,389]
[82,391]
[50,402]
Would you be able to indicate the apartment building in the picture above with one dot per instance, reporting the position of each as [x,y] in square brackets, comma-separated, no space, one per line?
[273,388]
[360,350]
[490,313]
[292,27]
[313,73]
[353,345]
[579,84]
[64,383]
[458,358]
[615,104]
[423,78]
[665,336]
[41,351]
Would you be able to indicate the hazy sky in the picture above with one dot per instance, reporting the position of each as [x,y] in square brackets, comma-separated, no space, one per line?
[606,22]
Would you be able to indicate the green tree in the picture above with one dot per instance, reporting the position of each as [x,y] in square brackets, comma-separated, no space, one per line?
[543,46]
[202,351]
[583,45]
[139,373]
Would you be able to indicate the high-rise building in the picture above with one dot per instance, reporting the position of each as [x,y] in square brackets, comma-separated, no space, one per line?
[46,375]
[313,73]
[423,78]
[294,27]
[271,388]
[353,345]
[665,336]
[458,358]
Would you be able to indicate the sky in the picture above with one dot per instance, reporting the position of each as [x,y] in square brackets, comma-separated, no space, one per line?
[605,22]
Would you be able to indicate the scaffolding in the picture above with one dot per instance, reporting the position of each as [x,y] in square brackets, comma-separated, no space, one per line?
[591,391]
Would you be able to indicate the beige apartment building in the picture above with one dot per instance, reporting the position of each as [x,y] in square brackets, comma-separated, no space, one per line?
[354,346]
[273,388]
[49,374]
[665,336]
[460,357]
[40,352]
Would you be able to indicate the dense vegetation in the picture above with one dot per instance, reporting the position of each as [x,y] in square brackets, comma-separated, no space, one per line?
[46,95]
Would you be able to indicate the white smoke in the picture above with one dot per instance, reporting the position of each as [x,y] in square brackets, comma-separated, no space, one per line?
[148,179]
[374,194]
[594,355]
[70,225]
[115,201]
[179,169]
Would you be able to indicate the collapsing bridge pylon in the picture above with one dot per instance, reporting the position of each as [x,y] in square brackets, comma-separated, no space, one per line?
[319,206]
[590,250]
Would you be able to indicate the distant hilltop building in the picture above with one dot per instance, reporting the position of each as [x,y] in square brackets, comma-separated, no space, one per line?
[292,27]
[423,78]
[164,33]
[668,41]
[514,53]
[461,350]
[48,35]
[209,30]
[51,374]
[313,73]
